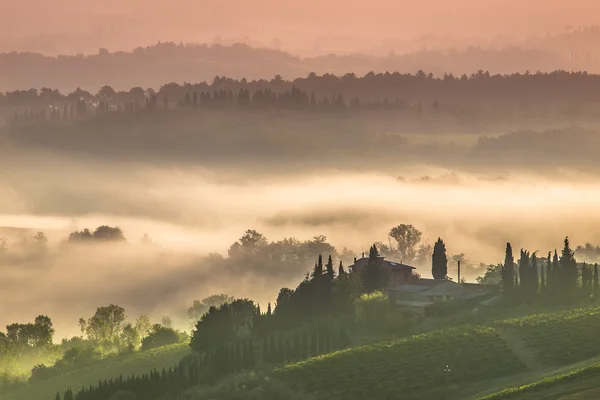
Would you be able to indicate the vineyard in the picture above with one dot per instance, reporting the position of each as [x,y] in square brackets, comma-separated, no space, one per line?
[406,368]
[541,388]
[559,338]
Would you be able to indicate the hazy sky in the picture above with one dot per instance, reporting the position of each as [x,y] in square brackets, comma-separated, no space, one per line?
[298,24]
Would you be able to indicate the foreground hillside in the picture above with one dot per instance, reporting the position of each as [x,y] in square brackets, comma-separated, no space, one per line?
[534,354]
[137,363]
[507,351]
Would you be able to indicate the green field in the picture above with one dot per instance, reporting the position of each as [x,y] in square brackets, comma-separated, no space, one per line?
[137,363]
[559,338]
[406,368]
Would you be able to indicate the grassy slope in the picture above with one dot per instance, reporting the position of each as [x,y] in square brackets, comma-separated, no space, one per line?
[406,368]
[109,368]
[381,369]
[555,386]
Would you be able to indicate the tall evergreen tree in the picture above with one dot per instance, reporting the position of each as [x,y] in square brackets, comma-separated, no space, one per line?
[318,270]
[374,277]
[596,287]
[534,275]
[542,276]
[329,271]
[549,272]
[341,271]
[508,270]
[569,268]
[439,268]
[525,274]
[57,396]
[556,271]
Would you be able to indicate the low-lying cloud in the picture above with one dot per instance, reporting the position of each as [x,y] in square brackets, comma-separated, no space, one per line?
[191,212]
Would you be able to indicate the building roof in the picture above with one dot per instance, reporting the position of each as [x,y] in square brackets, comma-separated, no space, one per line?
[363,261]
[440,288]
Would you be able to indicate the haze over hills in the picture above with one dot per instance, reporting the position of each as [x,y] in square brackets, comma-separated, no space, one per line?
[303,27]
[156,65]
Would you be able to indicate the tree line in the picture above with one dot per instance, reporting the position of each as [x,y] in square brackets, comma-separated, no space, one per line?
[477,86]
[554,278]
[327,92]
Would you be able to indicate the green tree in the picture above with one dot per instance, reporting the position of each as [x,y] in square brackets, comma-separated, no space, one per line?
[407,238]
[109,233]
[200,307]
[439,268]
[130,337]
[106,324]
[160,336]
[143,326]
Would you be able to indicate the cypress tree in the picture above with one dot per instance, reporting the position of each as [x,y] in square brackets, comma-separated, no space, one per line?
[556,272]
[298,346]
[374,277]
[57,396]
[549,272]
[318,271]
[265,351]
[534,275]
[68,395]
[313,344]
[508,271]
[329,269]
[341,272]
[525,273]
[596,280]
[569,268]
[542,277]
[439,268]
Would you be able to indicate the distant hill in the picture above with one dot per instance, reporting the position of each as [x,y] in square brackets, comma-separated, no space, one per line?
[169,62]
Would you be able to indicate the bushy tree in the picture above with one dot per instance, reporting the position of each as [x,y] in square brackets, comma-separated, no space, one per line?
[406,238]
[160,336]
[106,324]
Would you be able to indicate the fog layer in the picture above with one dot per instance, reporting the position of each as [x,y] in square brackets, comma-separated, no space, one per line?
[190,212]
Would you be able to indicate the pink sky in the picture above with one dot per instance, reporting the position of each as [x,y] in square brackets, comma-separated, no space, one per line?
[297,23]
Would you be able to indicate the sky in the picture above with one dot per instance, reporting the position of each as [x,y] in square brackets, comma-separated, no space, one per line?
[297,25]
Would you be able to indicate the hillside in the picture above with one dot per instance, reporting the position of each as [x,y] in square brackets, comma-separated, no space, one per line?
[137,363]
[534,356]
[478,358]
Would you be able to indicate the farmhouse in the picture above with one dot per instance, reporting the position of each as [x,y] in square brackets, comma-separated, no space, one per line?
[399,273]
[429,296]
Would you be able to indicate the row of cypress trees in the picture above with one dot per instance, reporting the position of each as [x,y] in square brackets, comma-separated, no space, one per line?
[561,278]
[218,362]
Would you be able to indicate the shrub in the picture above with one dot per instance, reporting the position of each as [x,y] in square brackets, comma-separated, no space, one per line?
[376,312]
[160,336]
